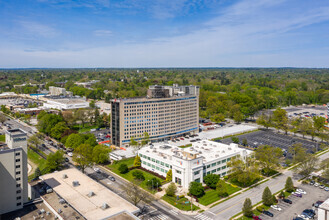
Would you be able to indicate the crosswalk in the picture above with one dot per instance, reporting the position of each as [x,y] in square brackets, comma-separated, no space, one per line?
[159,217]
[174,212]
[202,217]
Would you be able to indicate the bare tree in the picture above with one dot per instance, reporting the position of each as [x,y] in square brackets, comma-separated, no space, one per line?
[135,194]
[2,118]
[35,140]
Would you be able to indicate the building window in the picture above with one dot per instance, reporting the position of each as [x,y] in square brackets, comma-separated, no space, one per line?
[18,172]
[196,172]
[17,160]
[178,181]
[208,172]
[208,166]
[224,167]
[213,164]
[179,172]
[218,169]
[228,159]
[153,166]
[157,168]
[18,185]
[218,162]
[18,153]
[18,204]
[213,171]
[18,178]
[197,180]
[18,166]
[18,191]
[223,161]
[18,197]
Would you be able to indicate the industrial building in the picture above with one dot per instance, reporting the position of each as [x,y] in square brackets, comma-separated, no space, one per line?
[192,163]
[13,171]
[166,112]
[65,103]
[88,197]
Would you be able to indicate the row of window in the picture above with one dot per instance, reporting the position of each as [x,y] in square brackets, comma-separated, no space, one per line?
[155,167]
[154,160]
[218,163]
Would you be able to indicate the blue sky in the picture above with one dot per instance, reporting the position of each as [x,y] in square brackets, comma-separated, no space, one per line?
[164,33]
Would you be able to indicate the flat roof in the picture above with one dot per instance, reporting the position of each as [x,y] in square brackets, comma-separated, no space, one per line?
[17,131]
[68,101]
[325,205]
[77,196]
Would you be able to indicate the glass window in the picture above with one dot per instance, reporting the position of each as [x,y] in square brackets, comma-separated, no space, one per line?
[208,166]
[197,180]
[213,171]
[218,169]
[218,162]
[179,172]
[208,172]
[213,164]
[153,166]
[228,159]
[223,161]
[224,167]
[196,172]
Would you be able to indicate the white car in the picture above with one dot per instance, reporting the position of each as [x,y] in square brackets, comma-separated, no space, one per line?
[303,217]
[97,170]
[70,154]
[316,184]
[300,191]
[275,207]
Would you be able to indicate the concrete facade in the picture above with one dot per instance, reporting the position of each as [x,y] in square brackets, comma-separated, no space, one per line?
[13,171]
[175,114]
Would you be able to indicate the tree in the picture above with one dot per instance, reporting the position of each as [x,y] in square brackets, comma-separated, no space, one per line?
[247,208]
[37,172]
[137,161]
[169,176]
[55,161]
[153,183]
[280,119]
[196,189]
[135,194]
[57,131]
[264,120]
[101,154]
[2,118]
[123,168]
[217,118]
[298,153]
[244,142]
[235,139]
[319,123]
[289,186]
[82,155]
[171,189]
[35,140]
[81,115]
[325,174]
[307,166]
[211,180]
[138,144]
[267,197]
[138,175]
[221,188]
[269,157]
[304,126]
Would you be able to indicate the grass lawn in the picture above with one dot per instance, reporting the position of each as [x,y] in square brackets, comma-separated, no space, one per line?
[37,160]
[84,129]
[3,138]
[128,176]
[180,204]
[185,146]
[211,195]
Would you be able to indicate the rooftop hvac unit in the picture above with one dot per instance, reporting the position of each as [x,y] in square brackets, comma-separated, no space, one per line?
[75,183]
[105,206]
[91,193]
[64,176]
[216,155]
[223,151]
[61,201]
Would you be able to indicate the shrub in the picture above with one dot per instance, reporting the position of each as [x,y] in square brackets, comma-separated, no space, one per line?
[123,168]
[247,208]
[196,189]
[138,175]
[259,208]
[289,186]
[171,189]
[153,183]
[267,197]
[235,140]
[137,161]
[169,176]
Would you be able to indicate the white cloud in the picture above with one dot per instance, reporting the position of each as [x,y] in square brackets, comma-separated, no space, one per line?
[33,28]
[103,33]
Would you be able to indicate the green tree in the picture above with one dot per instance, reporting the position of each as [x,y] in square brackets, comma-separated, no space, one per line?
[289,186]
[264,120]
[135,194]
[196,189]
[298,153]
[221,188]
[137,161]
[307,166]
[171,189]
[55,161]
[280,119]
[74,140]
[267,197]
[37,172]
[304,126]
[35,140]
[169,176]
[217,118]
[138,175]
[82,155]
[100,154]
[247,208]
[269,157]
[211,180]
[153,183]
[57,131]
[244,142]
[235,139]
[319,123]
[123,168]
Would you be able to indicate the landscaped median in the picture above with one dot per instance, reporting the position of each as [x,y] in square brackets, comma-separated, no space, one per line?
[211,195]
[182,203]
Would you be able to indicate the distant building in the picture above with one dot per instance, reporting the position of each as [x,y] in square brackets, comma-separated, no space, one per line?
[65,103]
[13,171]
[87,84]
[192,163]
[166,112]
[323,211]
[58,91]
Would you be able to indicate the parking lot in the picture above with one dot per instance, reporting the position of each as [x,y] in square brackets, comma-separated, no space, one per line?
[268,137]
[289,211]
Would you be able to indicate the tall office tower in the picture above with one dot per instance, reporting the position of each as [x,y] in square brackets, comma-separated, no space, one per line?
[166,112]
[13,171]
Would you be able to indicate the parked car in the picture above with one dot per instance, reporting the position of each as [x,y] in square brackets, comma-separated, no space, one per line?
[70,154]
[67,159]
[297,194]
[300,191]
[309,213]
[316,184]
[256,218]
[182,139]
[97,170]
[312,182]
[112,178]
[287,201]
[303,217]
[275,207]
[317,204]
[321,186]
[268,213]
[326,188]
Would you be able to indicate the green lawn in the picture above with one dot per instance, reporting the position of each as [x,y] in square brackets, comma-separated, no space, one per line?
[211,195]
[128,176]
[180,204]
[185,146]
[37,160]
[3,138]
[84,129]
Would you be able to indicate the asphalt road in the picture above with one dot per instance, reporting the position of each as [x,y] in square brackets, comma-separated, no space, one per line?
[227,209]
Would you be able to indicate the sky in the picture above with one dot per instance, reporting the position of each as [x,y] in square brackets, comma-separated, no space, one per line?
[164,33]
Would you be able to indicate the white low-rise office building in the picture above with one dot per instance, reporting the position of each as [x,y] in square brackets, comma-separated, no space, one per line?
[66,103]
[192,163]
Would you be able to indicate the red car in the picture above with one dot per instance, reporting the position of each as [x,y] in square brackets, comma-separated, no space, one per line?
[256,218]
[182,139]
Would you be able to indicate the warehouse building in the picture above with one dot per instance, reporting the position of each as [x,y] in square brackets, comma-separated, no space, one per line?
[166,112]
[65,103]
[192,163]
